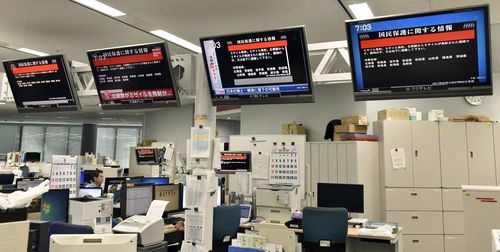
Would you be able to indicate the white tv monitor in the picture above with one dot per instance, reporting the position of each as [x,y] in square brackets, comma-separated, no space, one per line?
[94,243]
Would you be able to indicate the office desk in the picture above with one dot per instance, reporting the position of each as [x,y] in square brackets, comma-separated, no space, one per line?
[361,243]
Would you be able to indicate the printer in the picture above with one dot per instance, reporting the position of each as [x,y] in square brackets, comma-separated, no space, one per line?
[149,230]
[95,212]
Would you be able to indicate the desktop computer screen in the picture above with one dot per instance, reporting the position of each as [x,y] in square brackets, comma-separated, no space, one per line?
[25,183]
[349,196]
[156,181]
[171,193]
[95,192]
[136,199]
[31,157]
[54,205]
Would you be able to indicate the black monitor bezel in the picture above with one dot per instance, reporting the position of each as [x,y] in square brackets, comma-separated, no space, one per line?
[123,196]
[301,98]
[487,89]
[234,171]
[331,193]
[69,79]
[175,85]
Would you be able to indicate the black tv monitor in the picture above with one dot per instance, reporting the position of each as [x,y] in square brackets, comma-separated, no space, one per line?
[136,199]
[41,84]
[134,76]
[148,156]
[113,182]
[349,196]
[25,183]
[258,67]
[171,193]
[31,157]
[156,180]
[235,161]
[54,205]
[435,54]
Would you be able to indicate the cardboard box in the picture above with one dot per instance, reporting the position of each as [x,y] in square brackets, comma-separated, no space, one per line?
[351,128]
[394,114]
[336,137]
[355,119]
[293,128]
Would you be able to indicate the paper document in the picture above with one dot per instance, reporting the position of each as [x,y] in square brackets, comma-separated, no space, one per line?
[251,241]
[157,208]
[244,182]
[398,158]
[260,166]
[194,226]
[196,193]
[169,153]
[200,142]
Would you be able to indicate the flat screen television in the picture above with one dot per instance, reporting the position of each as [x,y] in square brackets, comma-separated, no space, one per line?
[235,161]
[435,54]
[258,67]
[41,84]
[134,77]
[147,156]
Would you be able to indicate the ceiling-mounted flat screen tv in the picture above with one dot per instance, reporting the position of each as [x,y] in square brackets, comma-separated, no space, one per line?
[134,77]
[41,84]
[259,67]
[435,54]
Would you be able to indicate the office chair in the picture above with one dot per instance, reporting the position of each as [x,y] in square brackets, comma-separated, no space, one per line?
[57,227]
[325,229]
[226,224]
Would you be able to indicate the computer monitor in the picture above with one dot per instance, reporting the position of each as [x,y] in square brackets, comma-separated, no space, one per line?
[246,213]
[54,205]
[235,161]
[82,177]
[95,192]
[219,196]
[25,183]
[6,179]
[94,243]
[147,156]
[113,181]
[171,193]
[31,157]
[156,181]
[136,199]
[349,196]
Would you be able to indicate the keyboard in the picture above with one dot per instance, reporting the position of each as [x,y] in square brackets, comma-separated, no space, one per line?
[172,220]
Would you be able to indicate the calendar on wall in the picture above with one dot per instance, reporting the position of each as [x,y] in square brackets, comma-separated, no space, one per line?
[284,164]
[65,174]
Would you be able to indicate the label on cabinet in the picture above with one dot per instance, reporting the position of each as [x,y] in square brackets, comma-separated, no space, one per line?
[398,158]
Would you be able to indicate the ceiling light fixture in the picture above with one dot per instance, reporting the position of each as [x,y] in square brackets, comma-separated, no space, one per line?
[176,40]
[361,10]
[31,51]
[100,7]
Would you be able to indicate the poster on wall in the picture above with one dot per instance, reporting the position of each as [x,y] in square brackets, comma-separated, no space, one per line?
[64,174]
[284,164]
